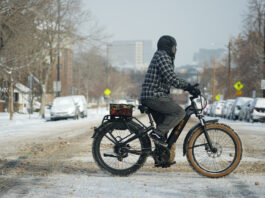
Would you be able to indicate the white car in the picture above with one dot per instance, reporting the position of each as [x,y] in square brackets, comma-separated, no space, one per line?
[122,101]
[225,107]
[257,110]
[217,111]
[63,108]
[237,105]
[80,100]
[243,112]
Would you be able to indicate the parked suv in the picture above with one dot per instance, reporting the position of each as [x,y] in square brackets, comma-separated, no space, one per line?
[64,107]
[257,110]
[237,105]
[226,106]
[243,112]
[80,100]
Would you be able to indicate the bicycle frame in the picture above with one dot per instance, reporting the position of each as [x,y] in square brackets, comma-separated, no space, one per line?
[176,131]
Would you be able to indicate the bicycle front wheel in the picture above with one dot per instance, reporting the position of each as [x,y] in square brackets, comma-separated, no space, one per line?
[225,158]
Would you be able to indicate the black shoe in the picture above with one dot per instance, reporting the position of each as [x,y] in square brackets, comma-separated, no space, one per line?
[158,139]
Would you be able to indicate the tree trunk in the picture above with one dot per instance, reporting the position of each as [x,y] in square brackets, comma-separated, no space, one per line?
[11,100]
[43,99]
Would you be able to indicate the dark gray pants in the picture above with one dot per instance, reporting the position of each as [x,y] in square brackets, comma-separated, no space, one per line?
[166,113]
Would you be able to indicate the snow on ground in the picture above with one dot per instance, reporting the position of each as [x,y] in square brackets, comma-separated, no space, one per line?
[141,184]
[243,127]
[24,124]
[155,183]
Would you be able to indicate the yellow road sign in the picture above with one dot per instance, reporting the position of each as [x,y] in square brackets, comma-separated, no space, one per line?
[238,86]
[107,92]
[217,97]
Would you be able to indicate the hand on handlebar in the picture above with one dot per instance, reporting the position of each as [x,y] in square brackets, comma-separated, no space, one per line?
[193,90]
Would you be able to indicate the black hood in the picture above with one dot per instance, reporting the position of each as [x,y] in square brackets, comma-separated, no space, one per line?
[167,43]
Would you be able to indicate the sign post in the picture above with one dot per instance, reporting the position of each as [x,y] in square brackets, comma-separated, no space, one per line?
[107,92]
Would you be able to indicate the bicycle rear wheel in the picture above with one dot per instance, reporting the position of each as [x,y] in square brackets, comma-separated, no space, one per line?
[114,157]
[214,164]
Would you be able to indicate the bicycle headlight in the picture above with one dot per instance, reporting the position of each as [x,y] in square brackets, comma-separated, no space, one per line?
[200,102]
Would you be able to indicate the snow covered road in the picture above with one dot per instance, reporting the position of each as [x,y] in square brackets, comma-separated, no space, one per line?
[53,159]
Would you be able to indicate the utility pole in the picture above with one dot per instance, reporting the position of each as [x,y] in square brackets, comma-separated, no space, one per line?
[213,79]
[229,96]
[58,52]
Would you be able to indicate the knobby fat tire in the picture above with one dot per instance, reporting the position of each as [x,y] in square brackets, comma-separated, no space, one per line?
[134,127]
[238,148]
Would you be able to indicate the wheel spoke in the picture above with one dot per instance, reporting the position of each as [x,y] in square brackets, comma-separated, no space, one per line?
[122,157]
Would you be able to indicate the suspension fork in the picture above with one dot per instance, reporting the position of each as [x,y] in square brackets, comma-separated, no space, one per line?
[209,141]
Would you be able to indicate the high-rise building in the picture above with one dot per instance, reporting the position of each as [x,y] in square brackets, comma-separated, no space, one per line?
[134,54]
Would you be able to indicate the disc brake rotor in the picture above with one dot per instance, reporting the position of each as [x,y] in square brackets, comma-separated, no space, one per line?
[218,152]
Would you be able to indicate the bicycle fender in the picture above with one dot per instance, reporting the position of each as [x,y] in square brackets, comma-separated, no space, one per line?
[102,126]
[194,128]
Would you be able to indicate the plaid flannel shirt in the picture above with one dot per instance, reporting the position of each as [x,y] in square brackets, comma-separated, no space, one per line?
[160,77]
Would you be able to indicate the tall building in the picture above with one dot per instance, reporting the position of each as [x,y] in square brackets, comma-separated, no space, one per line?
[135,54]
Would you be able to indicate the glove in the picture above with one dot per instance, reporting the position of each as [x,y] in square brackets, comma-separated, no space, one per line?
[193,90]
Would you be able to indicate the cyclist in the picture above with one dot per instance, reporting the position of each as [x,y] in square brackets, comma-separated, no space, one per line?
[155,94]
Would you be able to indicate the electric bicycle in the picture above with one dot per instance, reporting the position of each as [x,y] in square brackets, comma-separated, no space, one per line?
[121,143]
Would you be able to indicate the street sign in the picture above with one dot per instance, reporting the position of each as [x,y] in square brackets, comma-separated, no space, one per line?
[217,97]
[238,86]
[263,84]
[238,93]
[107,92]
[57,86]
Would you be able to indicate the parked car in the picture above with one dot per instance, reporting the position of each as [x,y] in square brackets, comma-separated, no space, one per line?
[64,107]
[229,110]
[132,102]
[243,112]
[80,100]
[237,105]
[207,109]
[213,108]
[225,107]
[257,110]
[218,108]
[122,101]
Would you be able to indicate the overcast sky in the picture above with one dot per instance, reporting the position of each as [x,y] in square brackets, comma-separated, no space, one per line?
[194,23]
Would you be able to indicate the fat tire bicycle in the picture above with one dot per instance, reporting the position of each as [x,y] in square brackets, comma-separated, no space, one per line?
[121,144]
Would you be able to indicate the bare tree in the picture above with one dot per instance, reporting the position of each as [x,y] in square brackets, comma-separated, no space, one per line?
[16,24]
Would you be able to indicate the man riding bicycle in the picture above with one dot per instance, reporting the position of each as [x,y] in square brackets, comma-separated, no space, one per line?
[155,94]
